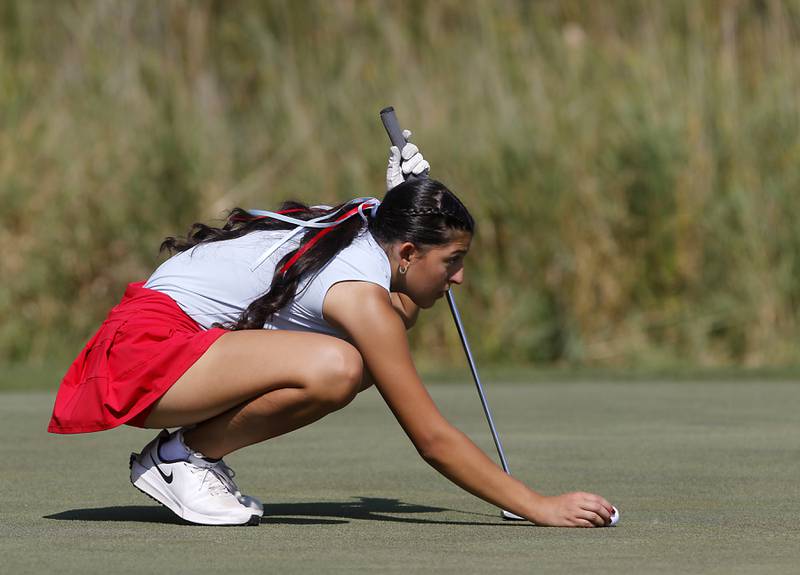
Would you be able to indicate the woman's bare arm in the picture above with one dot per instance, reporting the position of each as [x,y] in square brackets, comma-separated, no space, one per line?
[362,311]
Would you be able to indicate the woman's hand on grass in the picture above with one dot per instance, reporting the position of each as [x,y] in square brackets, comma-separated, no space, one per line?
[576,509]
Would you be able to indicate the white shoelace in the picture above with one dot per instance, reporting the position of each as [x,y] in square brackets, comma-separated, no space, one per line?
[229,474]
[217,480]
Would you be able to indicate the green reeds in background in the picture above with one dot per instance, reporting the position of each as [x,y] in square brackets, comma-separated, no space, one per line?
[634,167]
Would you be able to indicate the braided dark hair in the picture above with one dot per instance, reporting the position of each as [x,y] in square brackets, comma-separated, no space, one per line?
[421,211]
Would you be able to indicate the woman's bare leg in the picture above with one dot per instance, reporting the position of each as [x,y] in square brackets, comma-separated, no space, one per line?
[262,418]
[256,384]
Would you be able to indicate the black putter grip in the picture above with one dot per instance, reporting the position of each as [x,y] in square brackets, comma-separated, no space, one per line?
[389,119]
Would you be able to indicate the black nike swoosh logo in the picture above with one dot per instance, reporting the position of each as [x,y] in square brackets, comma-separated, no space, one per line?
[165,477]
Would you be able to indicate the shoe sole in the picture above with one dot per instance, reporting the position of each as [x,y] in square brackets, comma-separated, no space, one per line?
[163,499]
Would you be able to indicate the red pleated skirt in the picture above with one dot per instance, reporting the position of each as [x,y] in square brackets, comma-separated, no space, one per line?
[144,346]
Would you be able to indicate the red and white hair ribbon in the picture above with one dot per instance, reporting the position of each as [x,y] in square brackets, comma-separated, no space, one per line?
[324,223]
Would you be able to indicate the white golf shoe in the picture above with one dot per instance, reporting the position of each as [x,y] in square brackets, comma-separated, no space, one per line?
[246,500]
[195,489]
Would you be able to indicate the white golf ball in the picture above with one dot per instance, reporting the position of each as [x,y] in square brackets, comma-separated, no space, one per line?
[614,517]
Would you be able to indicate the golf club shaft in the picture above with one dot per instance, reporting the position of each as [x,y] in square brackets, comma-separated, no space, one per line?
[390,122]
[462,334]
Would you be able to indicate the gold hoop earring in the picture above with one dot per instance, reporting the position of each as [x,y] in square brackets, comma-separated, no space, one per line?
[402,270]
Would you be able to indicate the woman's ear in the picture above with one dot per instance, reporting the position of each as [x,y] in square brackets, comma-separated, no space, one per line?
[407,251]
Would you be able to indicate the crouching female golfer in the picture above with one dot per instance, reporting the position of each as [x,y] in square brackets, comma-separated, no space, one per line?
[274,320]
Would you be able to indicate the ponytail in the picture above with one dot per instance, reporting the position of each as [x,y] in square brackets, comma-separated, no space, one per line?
[421,211]
[333,237]
[328,231]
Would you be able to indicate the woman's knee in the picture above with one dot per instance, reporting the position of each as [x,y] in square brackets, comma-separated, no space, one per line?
[337,375]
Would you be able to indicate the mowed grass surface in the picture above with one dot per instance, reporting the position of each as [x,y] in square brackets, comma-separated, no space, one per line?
[706,475]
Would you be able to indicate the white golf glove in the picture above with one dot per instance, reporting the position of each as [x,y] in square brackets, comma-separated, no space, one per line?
[400,166]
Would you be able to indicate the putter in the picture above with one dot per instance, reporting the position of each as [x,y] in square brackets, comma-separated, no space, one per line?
[389,119]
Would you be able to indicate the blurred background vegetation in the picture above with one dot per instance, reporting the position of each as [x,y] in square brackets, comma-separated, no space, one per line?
[633,166]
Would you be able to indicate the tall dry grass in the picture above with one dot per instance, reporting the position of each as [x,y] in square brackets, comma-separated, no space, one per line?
[633,166]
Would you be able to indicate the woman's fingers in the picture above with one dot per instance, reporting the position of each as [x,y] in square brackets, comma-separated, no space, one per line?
[590,511]
[578,509]
[604,502]
[600,510]
[594,519]
[409,151]
[594,509]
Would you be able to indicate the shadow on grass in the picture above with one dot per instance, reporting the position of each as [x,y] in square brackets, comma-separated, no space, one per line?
[314,513]
[143,514]
[138,513]
[369,508]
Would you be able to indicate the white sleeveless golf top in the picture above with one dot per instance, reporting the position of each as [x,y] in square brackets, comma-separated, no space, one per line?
[215,282]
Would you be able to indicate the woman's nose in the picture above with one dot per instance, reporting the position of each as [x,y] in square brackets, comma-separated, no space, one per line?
[458,277]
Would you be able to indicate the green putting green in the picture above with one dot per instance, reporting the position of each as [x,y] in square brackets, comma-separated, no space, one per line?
[706,474]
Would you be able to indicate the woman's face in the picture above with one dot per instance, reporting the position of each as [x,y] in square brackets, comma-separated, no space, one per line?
[433,269]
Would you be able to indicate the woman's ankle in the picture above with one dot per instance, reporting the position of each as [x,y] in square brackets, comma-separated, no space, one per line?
[196,442]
